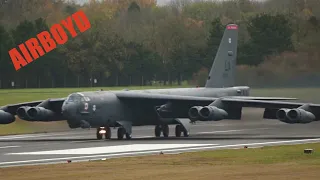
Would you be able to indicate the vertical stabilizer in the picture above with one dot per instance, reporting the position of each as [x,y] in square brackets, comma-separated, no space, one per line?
[222,73]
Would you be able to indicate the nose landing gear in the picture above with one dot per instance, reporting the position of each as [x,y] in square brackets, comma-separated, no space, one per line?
[106,131]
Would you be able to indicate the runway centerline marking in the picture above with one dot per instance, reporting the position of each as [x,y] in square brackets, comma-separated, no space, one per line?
[112,149]
[32,136]
[4,147]
[150,152]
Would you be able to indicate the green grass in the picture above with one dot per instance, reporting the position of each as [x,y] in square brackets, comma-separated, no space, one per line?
[11,96]
[274,162]
[266,155]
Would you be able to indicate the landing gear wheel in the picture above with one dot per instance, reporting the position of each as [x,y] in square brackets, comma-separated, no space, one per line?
[108,133]
[157,131]
[185,133]
[165,130]
[99,136]
[178,130]
[121,132]
[128,136]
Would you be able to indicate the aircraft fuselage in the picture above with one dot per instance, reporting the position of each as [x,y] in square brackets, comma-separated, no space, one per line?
[103,108]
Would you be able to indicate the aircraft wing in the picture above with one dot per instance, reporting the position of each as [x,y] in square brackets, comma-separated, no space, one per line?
[52,108]
[12,108]
[262,98]
[127,95]
[264,104]
[152,96]
[160,98]
[180,105]
[302,112]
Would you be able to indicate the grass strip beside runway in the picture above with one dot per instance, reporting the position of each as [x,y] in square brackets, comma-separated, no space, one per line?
[277,162]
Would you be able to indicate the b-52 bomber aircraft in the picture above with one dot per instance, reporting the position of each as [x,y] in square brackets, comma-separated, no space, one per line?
[218,100]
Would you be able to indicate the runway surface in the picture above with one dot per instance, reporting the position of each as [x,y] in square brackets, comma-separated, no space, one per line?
[81,145]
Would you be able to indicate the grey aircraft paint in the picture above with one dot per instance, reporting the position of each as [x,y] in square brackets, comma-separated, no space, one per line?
[222,73]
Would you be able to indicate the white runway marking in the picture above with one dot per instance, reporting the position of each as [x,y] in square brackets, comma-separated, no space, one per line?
[235,130]
[155,151]
[4,147]
[32,136]
[112,149]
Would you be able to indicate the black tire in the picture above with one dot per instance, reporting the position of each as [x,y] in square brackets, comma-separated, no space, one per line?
[157,131]
[121,132]
[128,136]
[99,136]
[185,133]
[165,130]
[108,133]
[178,130]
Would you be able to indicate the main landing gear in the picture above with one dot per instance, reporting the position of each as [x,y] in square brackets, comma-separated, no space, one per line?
[121,132]
[165,130]
[180,129]
[106,131]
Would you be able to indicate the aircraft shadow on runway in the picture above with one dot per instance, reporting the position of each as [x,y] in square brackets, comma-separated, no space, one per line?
[191,137]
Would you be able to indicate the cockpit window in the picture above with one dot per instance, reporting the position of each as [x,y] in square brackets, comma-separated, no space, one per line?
[74,98]
[77,98]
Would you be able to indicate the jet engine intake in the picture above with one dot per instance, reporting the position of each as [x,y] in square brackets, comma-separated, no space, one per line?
[300,116]
[212,113]
[40,114]
[6,118]
[194,113]
[282,115]
[293,116]
[22,112]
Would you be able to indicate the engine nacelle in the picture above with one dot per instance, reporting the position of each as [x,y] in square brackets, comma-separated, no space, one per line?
[293,116]
[194,113]
[40,114]
[22,112]
[300,116]
[212,113]
[282,115]
[6,118]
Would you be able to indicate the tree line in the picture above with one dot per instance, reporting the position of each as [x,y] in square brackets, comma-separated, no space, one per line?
[136,42]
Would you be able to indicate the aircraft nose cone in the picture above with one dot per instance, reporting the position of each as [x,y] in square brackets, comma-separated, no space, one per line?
[68,110]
